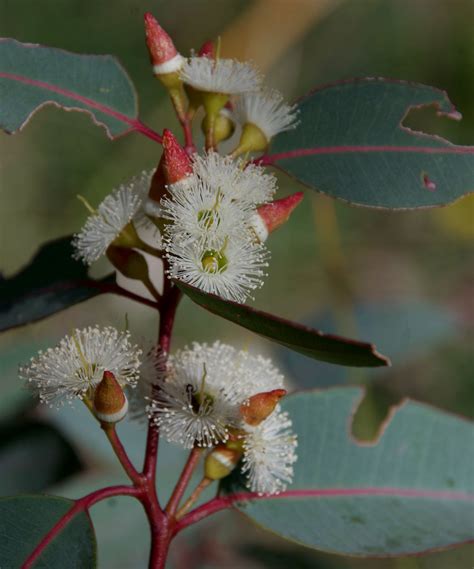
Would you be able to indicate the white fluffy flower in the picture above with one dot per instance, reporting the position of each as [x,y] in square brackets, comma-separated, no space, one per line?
[76,365]
[269,454]
[232,270]
[200,398]
[267,111]
[112,215]
[245,184]
[225,76]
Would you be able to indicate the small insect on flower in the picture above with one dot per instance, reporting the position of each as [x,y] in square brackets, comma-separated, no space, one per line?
[199,399]
[226,76]
[269,454]
[75,367]
[111,223]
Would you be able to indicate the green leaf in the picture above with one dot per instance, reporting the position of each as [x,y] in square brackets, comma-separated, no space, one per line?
[302,339]
[31,442]
[350,144]
[410,491]
[51,282]
[24,520]
[32,76]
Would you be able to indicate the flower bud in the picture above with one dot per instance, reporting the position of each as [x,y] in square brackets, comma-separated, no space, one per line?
[110,403]
[207,50]
[258,407]
[164,57]
[177,164]
[270,216]
[224,126]
[220,462]
[133,265]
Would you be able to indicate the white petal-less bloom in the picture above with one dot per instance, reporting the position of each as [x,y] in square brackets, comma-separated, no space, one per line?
[203,212]
[76,365]
[232,270]
[267,111]
[245,184]
[225,76]
[269,454]
[200,398]
[104,226]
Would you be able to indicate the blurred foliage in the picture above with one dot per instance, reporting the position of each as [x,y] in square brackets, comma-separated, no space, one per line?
[381,256]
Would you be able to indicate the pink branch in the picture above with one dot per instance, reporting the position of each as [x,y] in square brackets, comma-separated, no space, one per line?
[135,124]
[183,481]
[223,502]
[269,159]
[81,505]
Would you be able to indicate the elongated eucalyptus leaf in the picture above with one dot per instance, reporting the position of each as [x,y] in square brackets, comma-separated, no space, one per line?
[51,282]
[24,520]
[410,491]
[350,144]
[32,76]
[302,339]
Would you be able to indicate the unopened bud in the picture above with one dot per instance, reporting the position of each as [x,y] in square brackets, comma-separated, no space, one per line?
[271,216]
[177,164]
[110,403]
[164,57]
[133,265]
[207,50]
[221,462]
[258,407]
[224,126]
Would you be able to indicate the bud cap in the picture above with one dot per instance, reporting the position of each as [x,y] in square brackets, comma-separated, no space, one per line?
[110,403]
[163,54]
[272,215]
[258,407]
[221,462]
[176,164]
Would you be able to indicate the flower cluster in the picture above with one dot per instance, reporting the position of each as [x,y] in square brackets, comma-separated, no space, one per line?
[204,399]
[209,239]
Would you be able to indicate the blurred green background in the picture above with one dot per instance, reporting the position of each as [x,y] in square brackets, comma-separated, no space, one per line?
[403,280]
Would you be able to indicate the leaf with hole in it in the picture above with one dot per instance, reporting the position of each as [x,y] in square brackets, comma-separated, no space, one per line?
[409,492]
[350,144]
[302,339]
[32,76]
[24,521]
[52,282]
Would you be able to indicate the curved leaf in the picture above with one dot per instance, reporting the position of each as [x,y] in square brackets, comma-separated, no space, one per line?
[51,282]
[409,492]
[302,339]
[32,76]
[350,145]
[24,520]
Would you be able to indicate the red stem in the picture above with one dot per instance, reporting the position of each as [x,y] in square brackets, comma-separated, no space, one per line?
[183,481]
[137,478]
[81,505]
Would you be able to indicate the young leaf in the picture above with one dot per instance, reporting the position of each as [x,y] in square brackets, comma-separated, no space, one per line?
[32,76]
[302,339]
[51,282]
[350,144]
[410,491]
[24,520]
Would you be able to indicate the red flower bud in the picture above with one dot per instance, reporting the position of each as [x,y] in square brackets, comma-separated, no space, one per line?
[258,407]
[110,403]
[163,54]
[177,164]
[270,216]
[207,50]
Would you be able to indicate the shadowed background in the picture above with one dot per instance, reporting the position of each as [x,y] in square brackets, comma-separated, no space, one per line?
[402,280]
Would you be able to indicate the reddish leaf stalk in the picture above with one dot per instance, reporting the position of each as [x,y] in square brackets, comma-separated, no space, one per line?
[183,481]
[81,505]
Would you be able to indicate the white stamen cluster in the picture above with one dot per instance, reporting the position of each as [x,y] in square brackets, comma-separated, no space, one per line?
[225,76]
[267,111]
[269,454]
[76,365]
[129,201]
[210,243]
[199,399]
